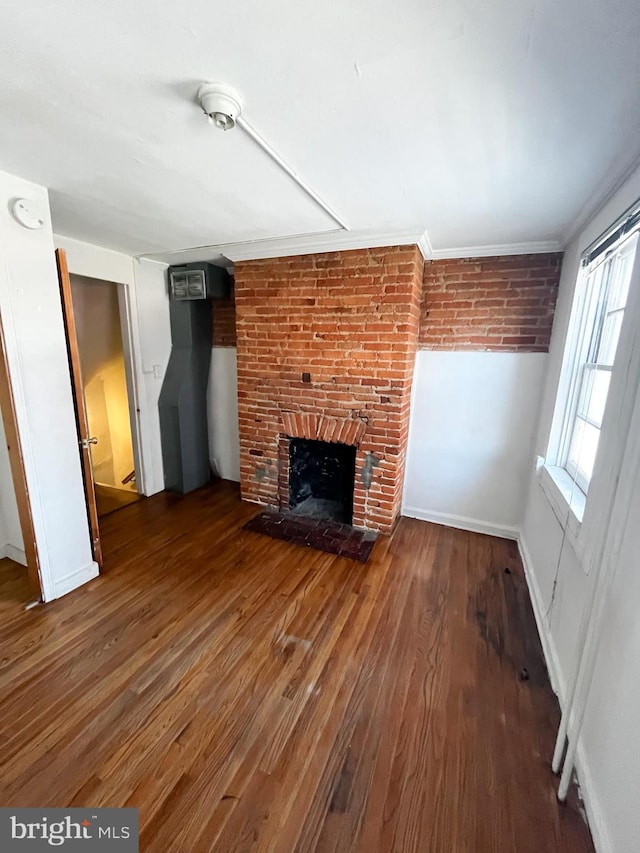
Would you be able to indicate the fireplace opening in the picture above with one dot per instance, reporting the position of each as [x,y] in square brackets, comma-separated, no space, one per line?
[321,479]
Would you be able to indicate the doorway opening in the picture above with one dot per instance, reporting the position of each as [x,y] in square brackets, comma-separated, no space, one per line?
[106,382]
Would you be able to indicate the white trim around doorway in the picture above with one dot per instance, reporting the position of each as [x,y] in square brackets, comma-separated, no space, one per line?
[114,268]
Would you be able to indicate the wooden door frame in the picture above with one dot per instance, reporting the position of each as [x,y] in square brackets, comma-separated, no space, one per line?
[18,473]
[77,388]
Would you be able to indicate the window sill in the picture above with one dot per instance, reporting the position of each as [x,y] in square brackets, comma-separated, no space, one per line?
[566,499]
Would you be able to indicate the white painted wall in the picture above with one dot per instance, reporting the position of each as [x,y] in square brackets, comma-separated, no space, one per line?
[608,755]
[11,542]
[39,371]
[222,408]
[473,422]
[611,746]
[152,301]
[145,324]
[3,524]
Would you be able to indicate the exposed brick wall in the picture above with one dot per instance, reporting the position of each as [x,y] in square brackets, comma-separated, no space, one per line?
[350,320]
[224,321]
[498,304]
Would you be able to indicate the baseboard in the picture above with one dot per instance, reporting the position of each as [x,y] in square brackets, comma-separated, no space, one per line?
[13,553]
[16,554]
[462,522]
[595,817]
[548,646]
[72,581]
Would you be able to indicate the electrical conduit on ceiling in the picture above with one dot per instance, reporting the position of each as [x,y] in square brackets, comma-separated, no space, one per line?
[223,107]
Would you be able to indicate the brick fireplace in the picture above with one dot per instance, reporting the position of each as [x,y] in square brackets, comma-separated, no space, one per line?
[326,346]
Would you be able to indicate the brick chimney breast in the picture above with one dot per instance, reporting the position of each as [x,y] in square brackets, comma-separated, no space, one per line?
[350,321]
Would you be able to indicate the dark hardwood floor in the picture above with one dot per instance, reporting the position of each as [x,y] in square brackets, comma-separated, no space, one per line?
[15,592]
[110,499]
[247,694]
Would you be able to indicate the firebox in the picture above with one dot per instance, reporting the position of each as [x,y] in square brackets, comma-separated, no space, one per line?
[321,479]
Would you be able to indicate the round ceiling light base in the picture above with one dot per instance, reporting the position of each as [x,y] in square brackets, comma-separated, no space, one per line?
[221,104]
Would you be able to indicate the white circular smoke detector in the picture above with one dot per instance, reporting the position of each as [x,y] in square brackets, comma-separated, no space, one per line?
[27,213]
[221,104]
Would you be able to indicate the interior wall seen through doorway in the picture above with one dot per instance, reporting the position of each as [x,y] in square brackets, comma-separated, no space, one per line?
[11,541]
[100,344]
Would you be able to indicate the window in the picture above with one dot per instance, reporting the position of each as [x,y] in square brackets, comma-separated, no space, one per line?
[598,310]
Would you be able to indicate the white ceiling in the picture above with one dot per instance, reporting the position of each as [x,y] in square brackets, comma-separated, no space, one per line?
[489,122]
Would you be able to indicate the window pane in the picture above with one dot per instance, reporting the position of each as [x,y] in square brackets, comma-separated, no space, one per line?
[593,394]
[622,274]
[584,445]
[573,456]
[594,309]
[609,338]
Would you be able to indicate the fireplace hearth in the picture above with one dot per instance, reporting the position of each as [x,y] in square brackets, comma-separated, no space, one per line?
[321,479]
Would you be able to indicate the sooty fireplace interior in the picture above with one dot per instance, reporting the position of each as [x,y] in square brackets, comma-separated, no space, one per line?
[321,479]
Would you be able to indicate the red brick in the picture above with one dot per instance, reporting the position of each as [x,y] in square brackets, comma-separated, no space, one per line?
[351,320]
[501,303]
[223,322]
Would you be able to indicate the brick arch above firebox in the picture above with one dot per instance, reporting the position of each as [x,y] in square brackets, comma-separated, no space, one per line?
[323,428]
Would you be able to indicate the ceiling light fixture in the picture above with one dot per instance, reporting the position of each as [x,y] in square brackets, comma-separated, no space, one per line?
[221,104]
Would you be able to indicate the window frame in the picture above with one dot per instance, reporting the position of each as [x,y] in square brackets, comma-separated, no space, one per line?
[584,336]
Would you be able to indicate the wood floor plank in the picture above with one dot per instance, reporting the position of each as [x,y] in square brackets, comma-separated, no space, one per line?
[252,696]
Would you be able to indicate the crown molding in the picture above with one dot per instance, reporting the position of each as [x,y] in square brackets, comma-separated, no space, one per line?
[615,178]
[488,251]
[424,244]
[227,254]
[333,241]
[298,244]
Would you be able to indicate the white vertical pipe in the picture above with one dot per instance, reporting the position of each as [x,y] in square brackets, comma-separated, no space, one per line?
[584,635]
[588,659]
